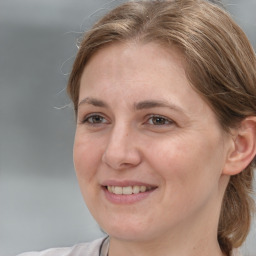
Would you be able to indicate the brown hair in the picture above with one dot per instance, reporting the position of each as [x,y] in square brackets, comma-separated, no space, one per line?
[220,64]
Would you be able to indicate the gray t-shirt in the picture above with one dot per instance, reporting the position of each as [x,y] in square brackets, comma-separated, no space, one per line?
[98,247]
[84,249]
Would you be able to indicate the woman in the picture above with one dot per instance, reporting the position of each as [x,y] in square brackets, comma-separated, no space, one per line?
[165,98]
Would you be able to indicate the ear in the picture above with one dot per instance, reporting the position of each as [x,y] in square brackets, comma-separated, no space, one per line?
[243,149]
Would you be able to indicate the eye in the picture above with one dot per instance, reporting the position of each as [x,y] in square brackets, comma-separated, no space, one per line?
[159,120]
[94,119]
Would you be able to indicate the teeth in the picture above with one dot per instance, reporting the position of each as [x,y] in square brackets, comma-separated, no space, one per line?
[136,189]
[143,188]
[127,190]
[118,190]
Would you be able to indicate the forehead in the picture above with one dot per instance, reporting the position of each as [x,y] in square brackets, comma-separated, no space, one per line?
[133,62]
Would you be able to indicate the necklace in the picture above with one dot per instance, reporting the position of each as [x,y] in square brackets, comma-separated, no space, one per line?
[104,247]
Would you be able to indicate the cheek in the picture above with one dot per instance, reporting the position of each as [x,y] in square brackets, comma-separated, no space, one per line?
[185,161]
[167,154]
[190,174]
[87,156]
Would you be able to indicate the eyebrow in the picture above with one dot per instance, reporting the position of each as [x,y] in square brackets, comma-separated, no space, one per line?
[147,104]
[94,102]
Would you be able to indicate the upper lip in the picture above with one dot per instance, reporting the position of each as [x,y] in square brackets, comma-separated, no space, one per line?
[126,183]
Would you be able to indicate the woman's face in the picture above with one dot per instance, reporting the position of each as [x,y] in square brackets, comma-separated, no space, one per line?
[148,151]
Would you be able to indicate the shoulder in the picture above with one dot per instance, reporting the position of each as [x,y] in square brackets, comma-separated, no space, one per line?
[84,249]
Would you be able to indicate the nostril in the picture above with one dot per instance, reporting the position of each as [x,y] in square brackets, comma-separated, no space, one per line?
[121,159]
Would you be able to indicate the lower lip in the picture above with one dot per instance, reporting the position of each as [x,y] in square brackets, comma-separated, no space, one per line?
[126,199]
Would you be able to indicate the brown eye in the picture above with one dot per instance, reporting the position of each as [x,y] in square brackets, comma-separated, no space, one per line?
[159,120]
[95,119]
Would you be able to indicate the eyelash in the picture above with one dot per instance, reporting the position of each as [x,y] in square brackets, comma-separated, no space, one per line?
[151,120]
[166,121]
[98,116]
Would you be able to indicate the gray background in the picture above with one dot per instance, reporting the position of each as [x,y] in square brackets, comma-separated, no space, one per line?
[40,202]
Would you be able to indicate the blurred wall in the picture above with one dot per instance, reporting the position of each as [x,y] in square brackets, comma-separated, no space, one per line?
[40,202]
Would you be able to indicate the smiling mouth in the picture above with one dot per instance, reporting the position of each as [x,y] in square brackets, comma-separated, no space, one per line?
[128,190]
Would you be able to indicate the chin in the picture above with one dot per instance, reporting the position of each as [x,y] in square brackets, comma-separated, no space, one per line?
[117,228]
[130,232]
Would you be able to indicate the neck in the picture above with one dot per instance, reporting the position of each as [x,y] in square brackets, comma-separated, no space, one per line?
[164,248]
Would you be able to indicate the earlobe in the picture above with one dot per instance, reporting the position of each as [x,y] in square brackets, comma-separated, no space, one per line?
[243,149]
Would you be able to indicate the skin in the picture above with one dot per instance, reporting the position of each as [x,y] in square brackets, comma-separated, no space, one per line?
[176,146]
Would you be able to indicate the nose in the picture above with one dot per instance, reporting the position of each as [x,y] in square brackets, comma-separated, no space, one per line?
[121,151]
